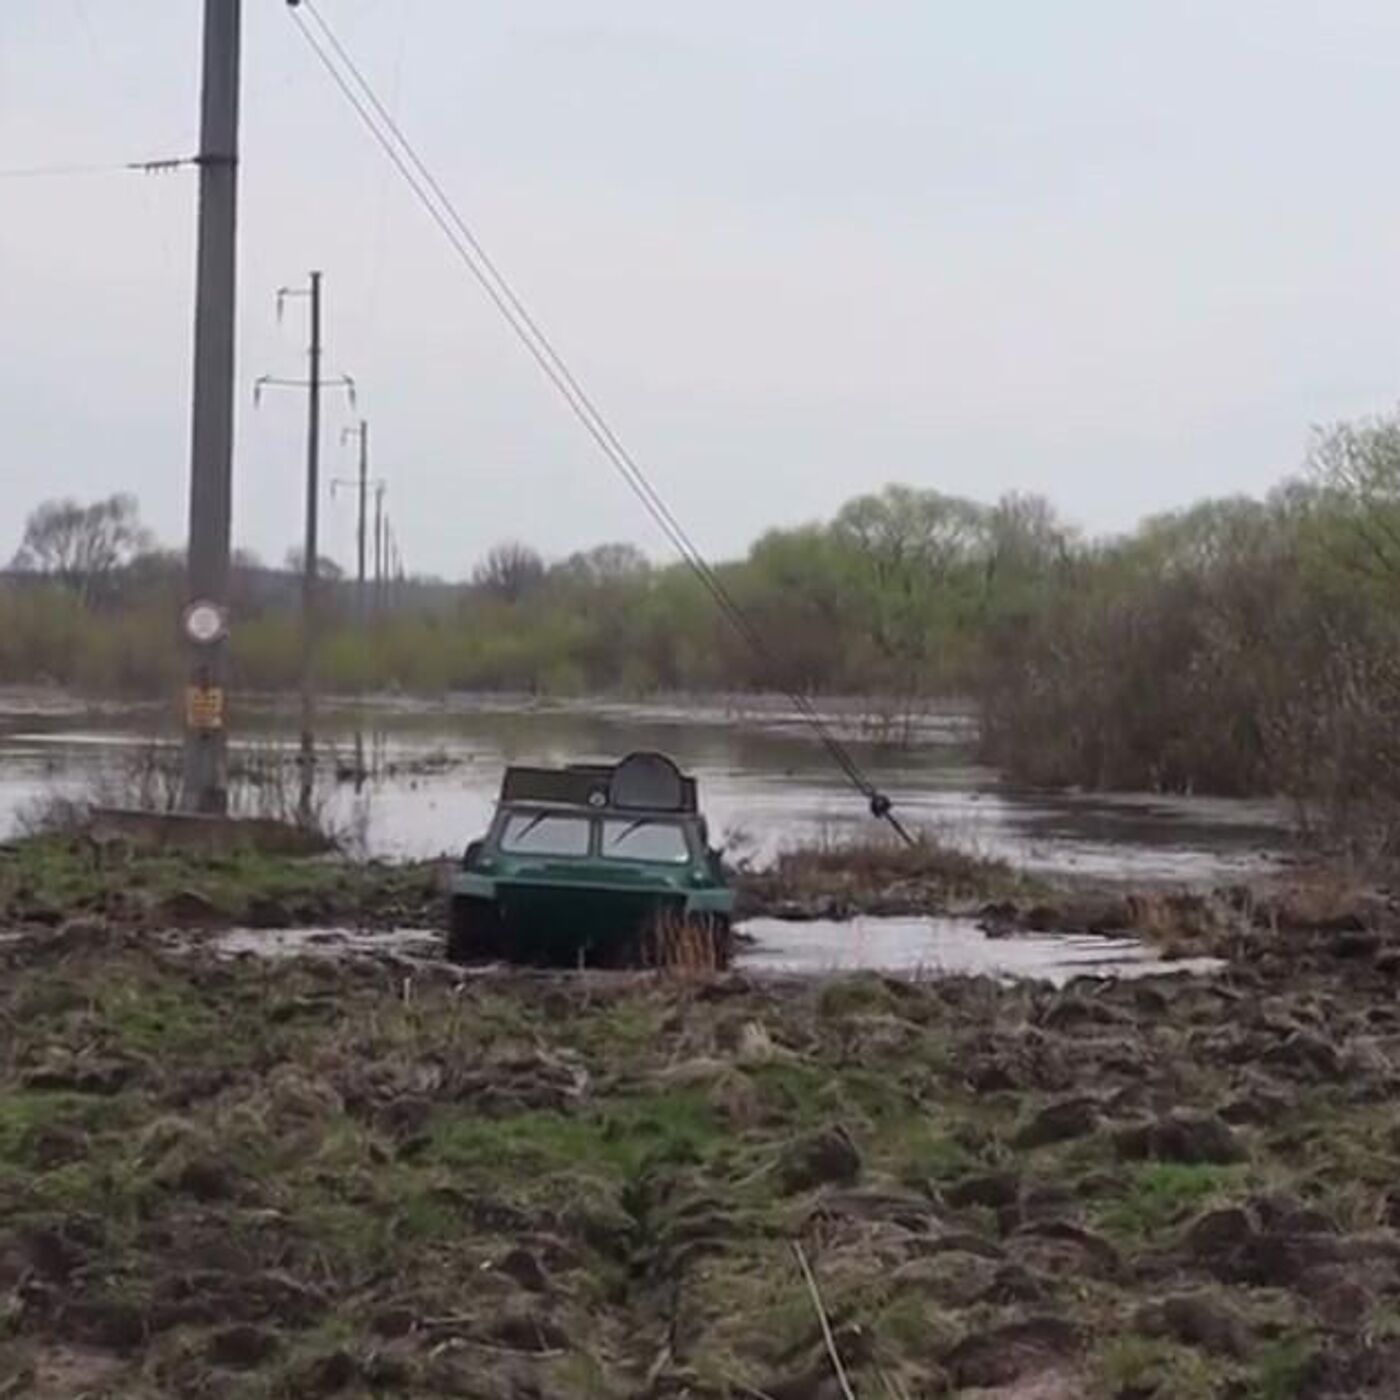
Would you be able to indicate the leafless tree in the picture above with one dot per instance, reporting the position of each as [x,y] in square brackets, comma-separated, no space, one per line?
[83,546]
[327,570]
[509,572]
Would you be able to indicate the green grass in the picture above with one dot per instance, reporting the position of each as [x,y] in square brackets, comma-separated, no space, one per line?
[583,1376]
[1153,1369]
[158,1020]
[1160,1196]
[617,1142]
[927,1151]
[915,1325]
[24,1116]
[796,1093]
[57,872]
[98,1174]
[623,1026]
[348,1234]
[852,996]
[1281,1369]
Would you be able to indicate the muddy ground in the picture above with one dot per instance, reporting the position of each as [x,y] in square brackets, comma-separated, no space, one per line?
[226,1177]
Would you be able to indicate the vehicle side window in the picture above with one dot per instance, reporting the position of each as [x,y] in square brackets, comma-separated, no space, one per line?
[542,834]
[644,840]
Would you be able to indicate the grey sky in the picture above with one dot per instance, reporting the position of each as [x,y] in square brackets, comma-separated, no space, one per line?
[1121,252]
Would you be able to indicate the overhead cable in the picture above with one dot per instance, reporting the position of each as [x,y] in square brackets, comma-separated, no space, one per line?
[147,167]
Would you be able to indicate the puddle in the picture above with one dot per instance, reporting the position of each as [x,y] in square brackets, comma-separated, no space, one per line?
[927,947]
[900,947]
[420,944]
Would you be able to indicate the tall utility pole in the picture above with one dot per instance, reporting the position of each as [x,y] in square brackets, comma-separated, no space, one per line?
[311,539]
[310,548]
[211,435]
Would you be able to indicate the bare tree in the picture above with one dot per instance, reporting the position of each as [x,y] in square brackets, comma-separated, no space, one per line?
[510,572]
[1024,535]
[327,570]
[83,546]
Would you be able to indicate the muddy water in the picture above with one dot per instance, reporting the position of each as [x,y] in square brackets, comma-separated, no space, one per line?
[899,947]
[434,771]
[947,947]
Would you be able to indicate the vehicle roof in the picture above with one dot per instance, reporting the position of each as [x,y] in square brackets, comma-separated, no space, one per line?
[572,809]
[641,783]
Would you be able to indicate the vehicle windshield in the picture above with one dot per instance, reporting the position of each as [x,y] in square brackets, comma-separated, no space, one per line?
[645,840]
[545,834]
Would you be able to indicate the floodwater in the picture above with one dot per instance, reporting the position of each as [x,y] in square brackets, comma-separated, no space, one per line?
[942,947]
[433,771]
[899,947]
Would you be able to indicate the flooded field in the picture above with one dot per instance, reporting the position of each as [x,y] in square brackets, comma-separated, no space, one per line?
[432,772]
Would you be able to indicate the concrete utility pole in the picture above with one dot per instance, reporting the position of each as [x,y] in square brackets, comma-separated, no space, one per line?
[310,548]
[379,537]
[310,560]
[361,486]
[361,540]
[211,436]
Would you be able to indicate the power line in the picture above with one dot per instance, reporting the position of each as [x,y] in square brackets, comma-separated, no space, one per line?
[40,172]
[439,206]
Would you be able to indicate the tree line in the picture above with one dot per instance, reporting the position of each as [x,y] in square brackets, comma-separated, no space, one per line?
[1238,646]
[889,598]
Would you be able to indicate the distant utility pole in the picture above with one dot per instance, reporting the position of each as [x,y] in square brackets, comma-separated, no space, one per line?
[379,538]
[388,567]
[311,541]
[361,483]
[391,558]
[361,486]
[211,437]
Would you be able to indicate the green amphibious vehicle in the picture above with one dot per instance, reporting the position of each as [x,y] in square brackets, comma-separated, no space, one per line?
[598,865]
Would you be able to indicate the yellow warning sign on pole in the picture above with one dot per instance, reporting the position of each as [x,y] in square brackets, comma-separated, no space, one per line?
[204,708]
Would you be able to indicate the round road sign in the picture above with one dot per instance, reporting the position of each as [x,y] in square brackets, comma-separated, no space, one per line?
[205,623]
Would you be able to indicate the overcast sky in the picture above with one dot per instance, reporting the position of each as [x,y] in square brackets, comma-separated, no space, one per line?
[1120,252]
